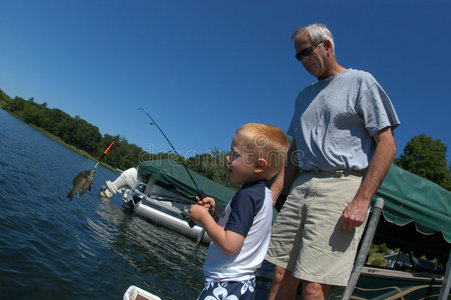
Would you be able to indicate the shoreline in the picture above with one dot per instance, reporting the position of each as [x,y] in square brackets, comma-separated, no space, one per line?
[59,140]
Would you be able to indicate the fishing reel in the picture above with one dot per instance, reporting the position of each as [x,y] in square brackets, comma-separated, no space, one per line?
[185,212]
[186,216]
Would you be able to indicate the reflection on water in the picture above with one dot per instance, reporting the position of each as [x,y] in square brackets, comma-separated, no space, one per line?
[88,248]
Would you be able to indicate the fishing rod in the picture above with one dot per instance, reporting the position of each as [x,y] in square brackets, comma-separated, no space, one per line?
[200,193]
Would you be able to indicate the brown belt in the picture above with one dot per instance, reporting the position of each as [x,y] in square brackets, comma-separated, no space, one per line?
[337,173]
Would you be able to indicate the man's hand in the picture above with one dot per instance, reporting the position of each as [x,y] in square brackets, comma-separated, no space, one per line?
[354,214]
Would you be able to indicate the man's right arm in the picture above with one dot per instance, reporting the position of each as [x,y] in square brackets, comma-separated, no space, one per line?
[287,174]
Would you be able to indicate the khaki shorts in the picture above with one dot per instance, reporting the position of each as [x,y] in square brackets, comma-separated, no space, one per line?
[305,239]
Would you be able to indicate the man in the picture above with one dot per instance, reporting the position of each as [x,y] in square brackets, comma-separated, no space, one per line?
[343,143]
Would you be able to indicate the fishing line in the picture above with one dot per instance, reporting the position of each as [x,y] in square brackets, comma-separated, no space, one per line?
[175,151]
[200,193]
[98,162]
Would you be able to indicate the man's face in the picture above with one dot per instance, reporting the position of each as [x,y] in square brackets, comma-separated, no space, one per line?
[315,62]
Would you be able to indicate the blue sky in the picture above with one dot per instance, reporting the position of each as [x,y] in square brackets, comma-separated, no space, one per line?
[204,68]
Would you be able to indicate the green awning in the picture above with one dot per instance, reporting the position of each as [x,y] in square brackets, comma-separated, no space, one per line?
[170,173]
[415,205]
[410,198]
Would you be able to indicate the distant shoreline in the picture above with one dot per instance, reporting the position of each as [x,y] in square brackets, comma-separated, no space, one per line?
[59,140]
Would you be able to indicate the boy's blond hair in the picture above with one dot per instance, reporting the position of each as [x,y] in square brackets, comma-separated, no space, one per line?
[268,142]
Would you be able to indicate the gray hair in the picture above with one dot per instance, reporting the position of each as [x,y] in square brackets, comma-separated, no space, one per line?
[317,33]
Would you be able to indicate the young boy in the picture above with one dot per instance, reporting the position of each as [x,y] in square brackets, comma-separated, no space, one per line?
[240,238]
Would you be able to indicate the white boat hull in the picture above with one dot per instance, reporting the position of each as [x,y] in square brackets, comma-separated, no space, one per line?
[155,212]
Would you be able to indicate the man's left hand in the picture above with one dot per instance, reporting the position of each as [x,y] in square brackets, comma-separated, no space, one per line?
[354,215]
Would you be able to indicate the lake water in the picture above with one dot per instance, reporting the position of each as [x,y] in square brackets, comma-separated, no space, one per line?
[90,248]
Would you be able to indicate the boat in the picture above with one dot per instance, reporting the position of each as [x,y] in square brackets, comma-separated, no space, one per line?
[162,192]
[137,293]
[373,283]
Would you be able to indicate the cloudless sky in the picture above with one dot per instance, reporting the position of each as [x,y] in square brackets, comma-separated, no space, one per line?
[204,68]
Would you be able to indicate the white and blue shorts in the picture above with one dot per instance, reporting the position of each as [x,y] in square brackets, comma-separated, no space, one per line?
[227,289]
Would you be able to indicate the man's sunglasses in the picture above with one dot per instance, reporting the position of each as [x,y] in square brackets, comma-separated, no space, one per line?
[307,51]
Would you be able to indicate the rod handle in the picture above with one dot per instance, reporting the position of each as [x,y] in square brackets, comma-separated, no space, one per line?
[201,194]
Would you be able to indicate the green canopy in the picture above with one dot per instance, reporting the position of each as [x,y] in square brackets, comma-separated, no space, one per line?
[420,206]
[170,173]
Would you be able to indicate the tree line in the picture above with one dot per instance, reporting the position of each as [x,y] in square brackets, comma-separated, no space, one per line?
[422,156]
[79,133]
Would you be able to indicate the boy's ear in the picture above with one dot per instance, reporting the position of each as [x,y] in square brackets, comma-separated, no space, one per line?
[260,165]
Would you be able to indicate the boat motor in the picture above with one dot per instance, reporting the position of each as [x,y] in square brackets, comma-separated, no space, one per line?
[126,180]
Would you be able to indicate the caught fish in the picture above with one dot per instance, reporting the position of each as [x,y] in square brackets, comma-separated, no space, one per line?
[82,182]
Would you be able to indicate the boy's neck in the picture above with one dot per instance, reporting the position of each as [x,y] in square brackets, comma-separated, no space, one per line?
[255,179]
[253,182]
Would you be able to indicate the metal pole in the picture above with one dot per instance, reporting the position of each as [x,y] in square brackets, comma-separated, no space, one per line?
[363,252]
[446,284]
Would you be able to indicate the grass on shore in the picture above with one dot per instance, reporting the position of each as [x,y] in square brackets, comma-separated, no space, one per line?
[59,140]
[79,151]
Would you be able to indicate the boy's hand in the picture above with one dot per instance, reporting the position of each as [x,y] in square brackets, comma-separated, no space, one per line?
[198,212]
[207,202]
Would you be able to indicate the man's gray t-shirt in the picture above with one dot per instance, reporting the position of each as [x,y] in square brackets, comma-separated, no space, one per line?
[335,119]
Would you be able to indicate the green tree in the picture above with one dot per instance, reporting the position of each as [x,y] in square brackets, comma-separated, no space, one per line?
[85,136]
[4,100]
[123,155]
[426,157]
[16,105]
